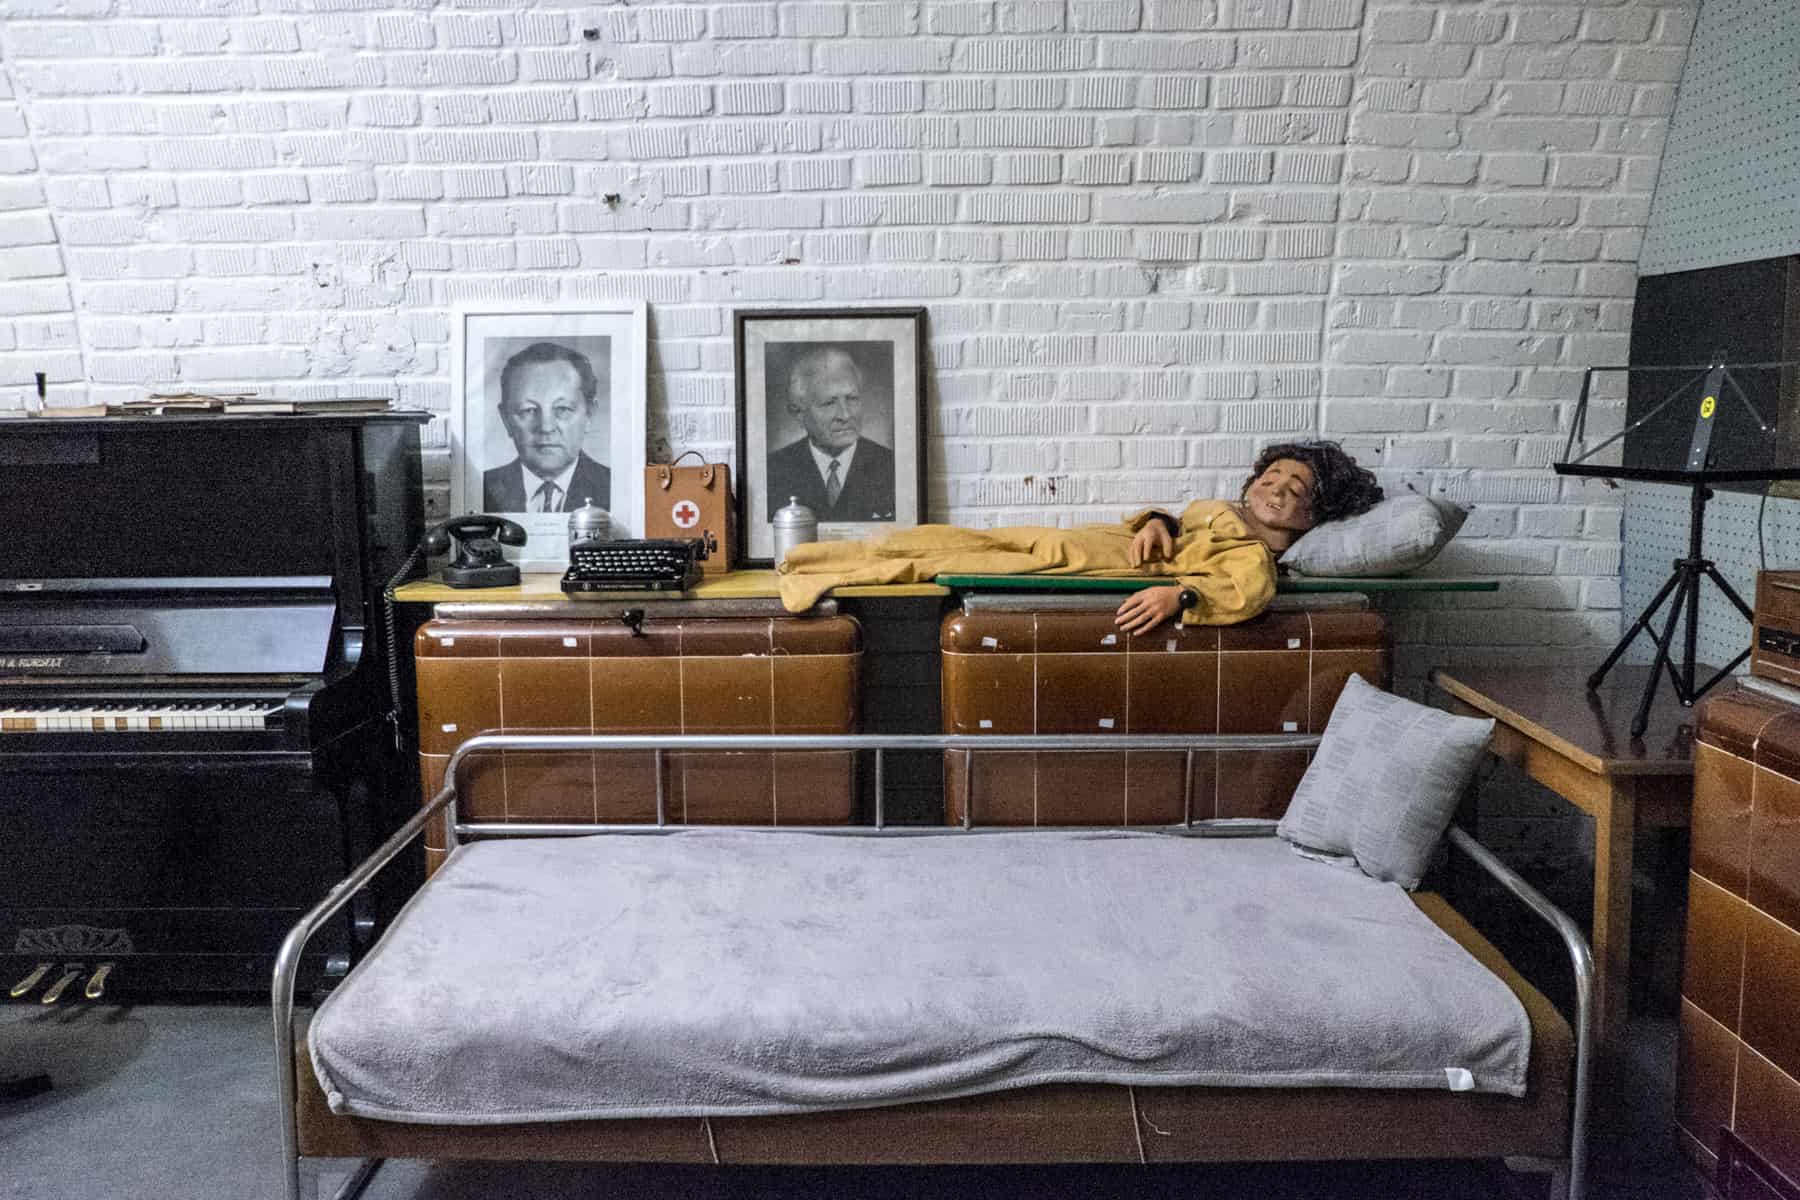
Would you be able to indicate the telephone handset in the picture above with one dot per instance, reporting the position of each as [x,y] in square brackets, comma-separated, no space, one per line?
[479,560]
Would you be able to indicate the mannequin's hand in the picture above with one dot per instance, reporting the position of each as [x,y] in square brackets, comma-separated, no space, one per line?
[1145,610]
[1152,544]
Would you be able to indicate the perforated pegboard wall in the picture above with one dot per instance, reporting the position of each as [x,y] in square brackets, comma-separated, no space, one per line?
[1729,188]
[1656,534]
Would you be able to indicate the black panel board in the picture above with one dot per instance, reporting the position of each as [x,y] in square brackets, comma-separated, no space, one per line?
[900,694]
[1745,312]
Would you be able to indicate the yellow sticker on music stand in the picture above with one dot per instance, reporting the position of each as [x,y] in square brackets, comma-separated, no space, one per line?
[1706,408]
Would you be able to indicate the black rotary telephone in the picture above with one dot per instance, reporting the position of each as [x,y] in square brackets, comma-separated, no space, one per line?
[479,561]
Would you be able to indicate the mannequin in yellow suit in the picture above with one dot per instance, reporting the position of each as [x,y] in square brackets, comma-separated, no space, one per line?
[1220,554]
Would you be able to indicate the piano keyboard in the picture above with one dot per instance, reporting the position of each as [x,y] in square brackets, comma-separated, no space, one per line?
[125,716]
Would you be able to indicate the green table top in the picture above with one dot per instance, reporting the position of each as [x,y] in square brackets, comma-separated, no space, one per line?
[1289,584]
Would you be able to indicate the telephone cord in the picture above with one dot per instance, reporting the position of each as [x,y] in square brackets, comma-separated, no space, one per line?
[393,651]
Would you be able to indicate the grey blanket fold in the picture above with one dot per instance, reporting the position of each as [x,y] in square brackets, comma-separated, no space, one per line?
[728,972]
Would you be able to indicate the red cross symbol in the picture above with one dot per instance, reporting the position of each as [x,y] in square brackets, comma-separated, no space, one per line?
[686,514]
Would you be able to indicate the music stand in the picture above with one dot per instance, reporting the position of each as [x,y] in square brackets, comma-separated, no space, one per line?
[1695,473]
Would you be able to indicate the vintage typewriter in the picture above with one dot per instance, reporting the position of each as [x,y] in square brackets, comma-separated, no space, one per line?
[651,565]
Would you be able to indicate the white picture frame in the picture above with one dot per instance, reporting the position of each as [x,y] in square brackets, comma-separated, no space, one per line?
[495,459]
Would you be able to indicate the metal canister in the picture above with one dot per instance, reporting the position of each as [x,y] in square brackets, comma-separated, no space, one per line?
[795,525]
[589,523]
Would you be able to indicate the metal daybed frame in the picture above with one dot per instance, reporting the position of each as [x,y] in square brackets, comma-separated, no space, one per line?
[1570,1174]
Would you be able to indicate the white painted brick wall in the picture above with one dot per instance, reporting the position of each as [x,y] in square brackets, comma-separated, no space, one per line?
[38,330]
[1152,234]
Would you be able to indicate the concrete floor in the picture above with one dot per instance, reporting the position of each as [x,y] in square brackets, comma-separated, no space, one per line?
[179,1102]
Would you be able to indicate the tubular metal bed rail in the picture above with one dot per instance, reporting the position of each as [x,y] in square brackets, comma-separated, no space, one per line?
[1581,962]
[287,960]
[878,743]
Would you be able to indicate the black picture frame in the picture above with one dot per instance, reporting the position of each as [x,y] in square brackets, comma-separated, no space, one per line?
[875,358]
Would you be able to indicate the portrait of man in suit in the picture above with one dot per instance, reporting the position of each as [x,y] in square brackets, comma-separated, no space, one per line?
[549,396]
[833,469]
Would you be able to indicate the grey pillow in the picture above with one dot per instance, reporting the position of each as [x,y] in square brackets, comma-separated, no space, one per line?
[1397,535]
[1384,782]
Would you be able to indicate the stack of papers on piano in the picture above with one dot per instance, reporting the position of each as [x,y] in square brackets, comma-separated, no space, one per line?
[158,403]
[334,404]
[71,410]
[235,403]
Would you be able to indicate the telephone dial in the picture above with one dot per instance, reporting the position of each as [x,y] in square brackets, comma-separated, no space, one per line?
[479,562]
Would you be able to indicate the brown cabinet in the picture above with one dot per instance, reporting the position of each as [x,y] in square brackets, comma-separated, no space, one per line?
[1073,672]
[1739,1065]
[585,675]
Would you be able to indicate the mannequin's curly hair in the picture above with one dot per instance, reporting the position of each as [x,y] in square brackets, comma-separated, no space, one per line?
[1340,487]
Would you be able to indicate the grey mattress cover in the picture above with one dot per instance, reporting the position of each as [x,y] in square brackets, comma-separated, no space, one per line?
[729,972]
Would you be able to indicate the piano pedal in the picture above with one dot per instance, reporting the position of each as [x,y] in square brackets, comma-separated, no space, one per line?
[96,984]
[30,981]
[71,972]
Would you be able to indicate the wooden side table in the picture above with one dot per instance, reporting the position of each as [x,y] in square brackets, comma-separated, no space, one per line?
[1578,744]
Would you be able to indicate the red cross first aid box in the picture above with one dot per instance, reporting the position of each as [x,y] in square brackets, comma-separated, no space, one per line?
[692,502]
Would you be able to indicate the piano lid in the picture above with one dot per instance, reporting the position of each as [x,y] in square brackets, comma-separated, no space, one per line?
[165,586]
[171,627]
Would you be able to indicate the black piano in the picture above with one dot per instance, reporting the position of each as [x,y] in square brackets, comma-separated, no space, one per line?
[194,693]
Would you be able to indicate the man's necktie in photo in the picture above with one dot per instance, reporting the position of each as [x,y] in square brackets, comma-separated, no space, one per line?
[834,486]
[547,498]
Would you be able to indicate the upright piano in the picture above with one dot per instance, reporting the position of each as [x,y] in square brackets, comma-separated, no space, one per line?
[194,693]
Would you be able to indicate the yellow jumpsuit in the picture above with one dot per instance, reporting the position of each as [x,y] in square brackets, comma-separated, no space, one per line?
[1215,556]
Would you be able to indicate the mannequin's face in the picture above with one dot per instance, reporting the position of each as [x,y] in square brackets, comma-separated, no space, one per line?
[1281,497]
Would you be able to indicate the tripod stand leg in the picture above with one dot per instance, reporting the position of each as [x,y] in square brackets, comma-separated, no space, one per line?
[1637,627]
[1712,573]
[1686,594]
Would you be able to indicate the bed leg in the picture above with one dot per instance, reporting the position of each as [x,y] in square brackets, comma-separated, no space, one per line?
[1556,1168]
[350,1189]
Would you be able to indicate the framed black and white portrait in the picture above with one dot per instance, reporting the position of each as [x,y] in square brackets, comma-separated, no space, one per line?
[549,414]
[831,414]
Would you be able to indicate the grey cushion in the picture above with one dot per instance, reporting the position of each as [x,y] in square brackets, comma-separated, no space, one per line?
[1384,782]
[1398,535]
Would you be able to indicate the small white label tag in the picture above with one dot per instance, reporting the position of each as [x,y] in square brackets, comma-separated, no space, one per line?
[990,642]
[1290,727]
[1293,643]
[449,729]
[1460,1080]
[569,642]
[1106,722]
[446,641]
[1111,639]
[985,724]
